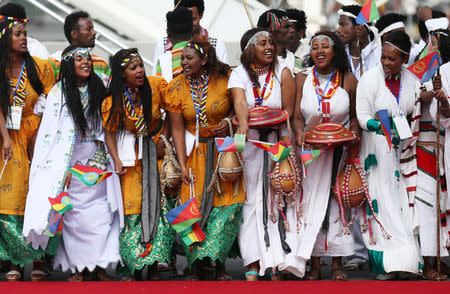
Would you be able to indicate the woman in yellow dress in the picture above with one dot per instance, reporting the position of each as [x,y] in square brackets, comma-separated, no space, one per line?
[23,79]
[134,125]
[198,102]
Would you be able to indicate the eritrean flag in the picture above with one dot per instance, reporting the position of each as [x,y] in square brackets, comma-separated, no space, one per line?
[184,219]
[55,226]
[278,152]
[385,124]
[226,144]
[89,175]
[307,156]
[425,68]
[369,13]
[61,203]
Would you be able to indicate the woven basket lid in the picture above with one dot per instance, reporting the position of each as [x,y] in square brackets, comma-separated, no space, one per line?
[329,134]
[263,116]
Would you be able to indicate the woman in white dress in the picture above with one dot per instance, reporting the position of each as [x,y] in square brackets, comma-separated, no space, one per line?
[392,247]
[325,93]
[71,133]
[259,70]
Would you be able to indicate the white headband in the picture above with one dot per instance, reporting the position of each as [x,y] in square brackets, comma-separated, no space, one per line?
[253,40]
[342,12]
[402,51]
[394,26]
[320,38]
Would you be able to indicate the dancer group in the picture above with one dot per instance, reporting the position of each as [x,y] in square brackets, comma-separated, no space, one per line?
[66,114]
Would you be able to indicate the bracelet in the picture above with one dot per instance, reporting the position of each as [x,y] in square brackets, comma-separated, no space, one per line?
[230,126]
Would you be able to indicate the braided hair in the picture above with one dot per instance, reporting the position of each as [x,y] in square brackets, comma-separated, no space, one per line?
[116,90]
[69,88]
[6,66]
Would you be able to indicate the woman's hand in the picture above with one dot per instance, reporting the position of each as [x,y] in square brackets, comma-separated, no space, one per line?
[7,148]
[222,129]
[185,177]
[437,83]
[243,129]
[118,167]
[68,179]
[300,138]
[160,149]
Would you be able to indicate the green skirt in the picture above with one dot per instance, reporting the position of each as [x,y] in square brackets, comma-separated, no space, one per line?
[13,246]
[220,235]
[131,247]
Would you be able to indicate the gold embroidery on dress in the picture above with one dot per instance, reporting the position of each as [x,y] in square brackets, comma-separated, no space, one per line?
[5,188]
[175,85]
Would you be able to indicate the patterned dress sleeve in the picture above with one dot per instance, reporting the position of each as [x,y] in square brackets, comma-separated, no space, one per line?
[173,98]
[106,109]
[46,74]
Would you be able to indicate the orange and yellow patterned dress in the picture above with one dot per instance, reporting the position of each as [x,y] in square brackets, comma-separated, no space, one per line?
[225,217]
[14,182]
[131,185]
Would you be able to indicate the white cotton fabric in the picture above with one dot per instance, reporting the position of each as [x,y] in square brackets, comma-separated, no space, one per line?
[91,230]
[251,234]
[400,252]
[317,185]
[370,55]
[125,148]
[288,61]
[37,49]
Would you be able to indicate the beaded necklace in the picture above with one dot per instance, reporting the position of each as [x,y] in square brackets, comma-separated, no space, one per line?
[130,112]
[199,93]
[18,90]
[261,70]
[323,99]
[259,96]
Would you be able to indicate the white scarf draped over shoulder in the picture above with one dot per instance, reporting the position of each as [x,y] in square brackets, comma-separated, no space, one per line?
[52,156]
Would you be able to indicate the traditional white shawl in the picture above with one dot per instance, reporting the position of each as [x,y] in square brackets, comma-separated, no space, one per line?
[52,157]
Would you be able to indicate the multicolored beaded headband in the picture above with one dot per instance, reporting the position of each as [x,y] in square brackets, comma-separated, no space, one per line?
[9,26]
[24,20]
[131,58]
[402,51]
[83,52]
[320,38]
[254,39]
[196,47]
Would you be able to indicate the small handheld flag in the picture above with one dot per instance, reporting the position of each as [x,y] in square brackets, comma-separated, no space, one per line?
[184,219]
[369,13]
[192,235]
[89,175]
[61,203]
[307,156]
[226,144]
[425,68]
[278,152]
[385,124]
[55,225]
[184,216]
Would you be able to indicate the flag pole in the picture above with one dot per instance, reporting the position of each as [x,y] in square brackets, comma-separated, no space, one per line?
[438,182]
[248,13]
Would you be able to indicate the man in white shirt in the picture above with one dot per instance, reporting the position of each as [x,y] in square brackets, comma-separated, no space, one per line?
[197,7]
[277,22]
[362,48]
[429,20]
